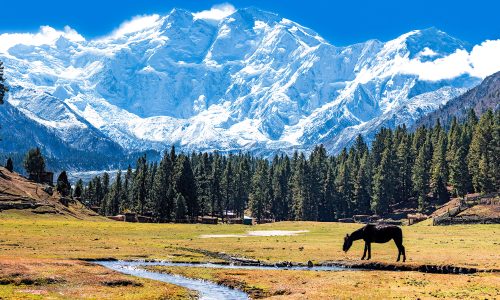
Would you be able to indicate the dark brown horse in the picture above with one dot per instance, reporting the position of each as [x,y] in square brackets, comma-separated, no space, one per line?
[376,234]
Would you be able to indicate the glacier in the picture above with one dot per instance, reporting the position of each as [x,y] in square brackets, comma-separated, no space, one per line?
[250,81]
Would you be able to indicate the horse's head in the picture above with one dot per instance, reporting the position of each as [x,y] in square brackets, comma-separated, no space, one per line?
[347,243]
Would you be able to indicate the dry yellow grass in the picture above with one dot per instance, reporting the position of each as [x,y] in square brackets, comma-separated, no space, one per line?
[53,237]
[348,284]
[61,240]
[68,279]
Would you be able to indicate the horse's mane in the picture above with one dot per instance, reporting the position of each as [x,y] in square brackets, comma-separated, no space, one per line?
[357,234]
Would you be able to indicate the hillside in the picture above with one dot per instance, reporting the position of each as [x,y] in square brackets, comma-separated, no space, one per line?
[481,98]
[19,195]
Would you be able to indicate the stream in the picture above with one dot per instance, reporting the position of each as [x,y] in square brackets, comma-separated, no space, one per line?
[206,290]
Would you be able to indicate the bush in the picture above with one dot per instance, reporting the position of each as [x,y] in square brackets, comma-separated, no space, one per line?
[10,165]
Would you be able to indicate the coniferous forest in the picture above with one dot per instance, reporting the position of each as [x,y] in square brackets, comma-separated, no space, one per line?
[416,169]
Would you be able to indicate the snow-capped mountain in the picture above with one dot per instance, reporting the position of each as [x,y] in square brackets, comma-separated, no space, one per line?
[251,80]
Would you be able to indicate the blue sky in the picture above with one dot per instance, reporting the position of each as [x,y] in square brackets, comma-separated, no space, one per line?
[340,22]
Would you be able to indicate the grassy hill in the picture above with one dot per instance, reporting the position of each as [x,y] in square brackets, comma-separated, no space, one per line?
[20,196]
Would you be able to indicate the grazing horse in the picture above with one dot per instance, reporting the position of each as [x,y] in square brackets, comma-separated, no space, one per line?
[376,234]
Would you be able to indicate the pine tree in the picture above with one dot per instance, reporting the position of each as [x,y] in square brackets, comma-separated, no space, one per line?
[484,179]
[9,165]
[318,207]
[126,202]
[299,187]
[34,163]
[228,191]
[421,175]
[96,192]
[405,160]
[459,173]
[180,207]
[216,191]
[345,188]
[383,184]
[149,186]
[103,197]
[481,150]
[280,207]
[79,189]
[362,186]
[259,196]
[243,186]
[105,184]
[139,192]
[495,152]
[183,178]
[63,185]
[439,172]
[162,193]
[202,173]
[114,196]
[330,195]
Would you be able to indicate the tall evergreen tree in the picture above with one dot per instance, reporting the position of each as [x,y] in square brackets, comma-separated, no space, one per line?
[180,207]
[63,186]
[439,170]
[115,195]
[383,183]
[216,191]
[228,190]
[243,186]
[421,174]
[202,173]
[405,160]
[139,192]
[9,165]
[163,200]
[345,188]
[362,186]
[126,201]
[79,189]
[259,196]
[330,195]
[185,184]
[480,154]
[34,163]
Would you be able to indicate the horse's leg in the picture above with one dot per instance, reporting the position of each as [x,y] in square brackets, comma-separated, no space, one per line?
[401,248]
[369,251]
[364,252]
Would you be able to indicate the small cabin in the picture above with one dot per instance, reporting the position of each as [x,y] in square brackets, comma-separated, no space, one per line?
[248,220]
[209,220]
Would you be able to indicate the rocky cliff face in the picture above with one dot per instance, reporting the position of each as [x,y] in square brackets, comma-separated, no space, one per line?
[481,98]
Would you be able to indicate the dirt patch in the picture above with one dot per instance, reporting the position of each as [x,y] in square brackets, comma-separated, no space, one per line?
[121,283]
[252,291]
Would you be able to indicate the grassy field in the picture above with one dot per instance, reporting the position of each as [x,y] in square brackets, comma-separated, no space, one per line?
[45,242]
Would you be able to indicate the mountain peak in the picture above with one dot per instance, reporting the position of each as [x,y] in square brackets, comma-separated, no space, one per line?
[439,42]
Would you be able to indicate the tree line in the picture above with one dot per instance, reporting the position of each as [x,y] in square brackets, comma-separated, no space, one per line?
[408,169]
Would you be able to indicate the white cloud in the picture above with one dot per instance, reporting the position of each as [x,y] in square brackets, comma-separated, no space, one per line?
[46,36]
[427,52]
[137,23]
[216,13]
[485,58]
[482,61]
